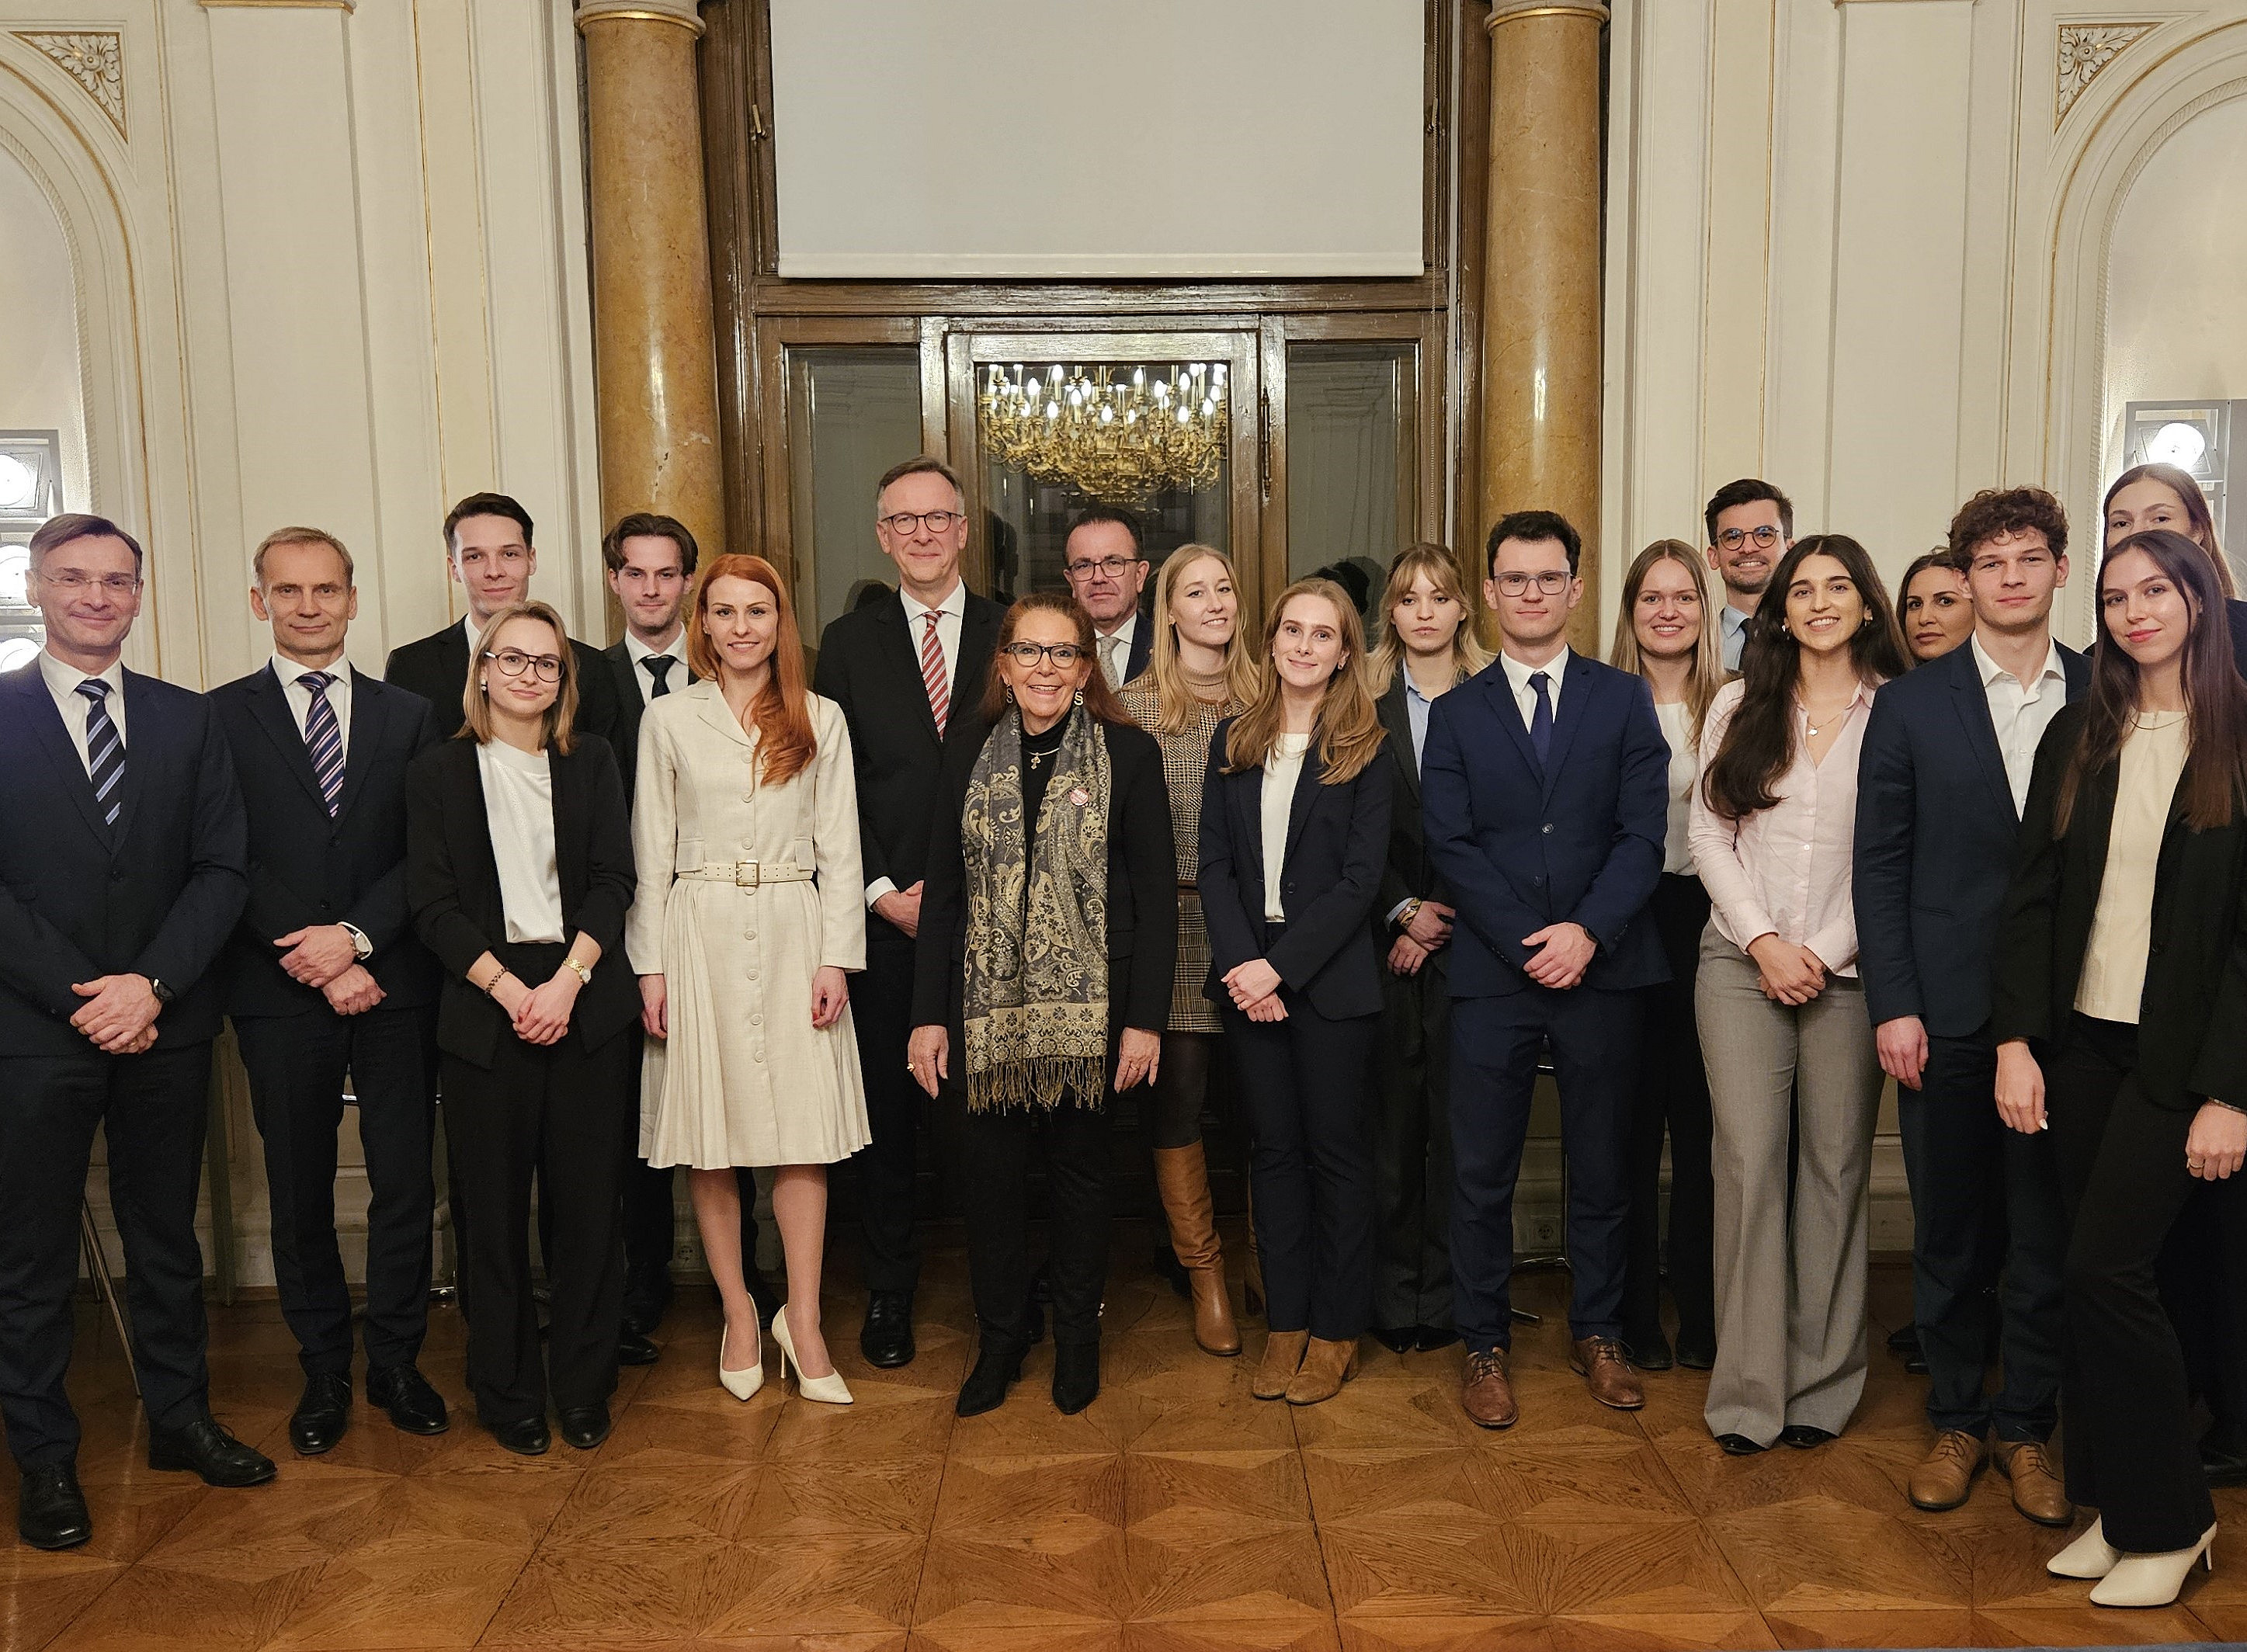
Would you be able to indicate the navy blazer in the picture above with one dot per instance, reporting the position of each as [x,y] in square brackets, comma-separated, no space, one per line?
[307,869]
[1337,849]
[1936,833]
[157,896]
[1577,840]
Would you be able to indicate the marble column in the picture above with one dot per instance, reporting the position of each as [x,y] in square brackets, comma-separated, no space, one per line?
[655,355]
[1542,292]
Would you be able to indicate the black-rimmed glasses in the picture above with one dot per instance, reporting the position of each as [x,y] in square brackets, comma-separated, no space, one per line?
[1027,655]
[512,662]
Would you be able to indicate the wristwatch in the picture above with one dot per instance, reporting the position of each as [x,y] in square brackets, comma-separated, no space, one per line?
[1407,912]
[164,995]
[583,971]
[362,948]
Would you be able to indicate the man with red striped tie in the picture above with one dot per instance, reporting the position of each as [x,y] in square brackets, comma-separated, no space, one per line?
[905,670]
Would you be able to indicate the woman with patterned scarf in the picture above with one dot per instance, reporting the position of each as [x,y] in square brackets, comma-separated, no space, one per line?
[1047,927]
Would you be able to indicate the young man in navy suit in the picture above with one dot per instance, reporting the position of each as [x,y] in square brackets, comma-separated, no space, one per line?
[1941,785]
[123,868]
[1545,791]
[327,982]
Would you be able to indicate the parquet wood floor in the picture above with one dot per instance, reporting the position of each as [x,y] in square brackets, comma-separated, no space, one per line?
[1176,1515]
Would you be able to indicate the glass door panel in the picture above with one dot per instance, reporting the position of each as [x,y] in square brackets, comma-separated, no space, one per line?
[1352,460]
[853,411]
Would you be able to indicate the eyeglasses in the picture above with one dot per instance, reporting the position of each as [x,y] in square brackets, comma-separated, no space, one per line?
[1111,566]
[69,581]
[1027,655]
[1733,538]
[1552,582]
[512,662]
[906,524]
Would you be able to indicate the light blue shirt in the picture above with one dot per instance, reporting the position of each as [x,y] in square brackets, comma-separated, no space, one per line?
[1416,712]
[1734,626]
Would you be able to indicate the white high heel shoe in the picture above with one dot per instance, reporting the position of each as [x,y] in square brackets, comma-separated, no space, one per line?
[2154,1579]
[829,1389]
[740,1384]
[2090,1556]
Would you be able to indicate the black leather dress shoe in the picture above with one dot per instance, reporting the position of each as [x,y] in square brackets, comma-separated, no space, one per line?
[2224,1454]
[997,1366]
[321,1415]
[1697,1353]
[413,1406]
[51,1510]
[1649,1352]
[525,1437]
[1739,1445]
[1802,1437]
[584,1426]
[204,1447]
[1432,1337]
[647,1295]
[886,1339]
[1398,1339]
[1076,1377]
[634,1349]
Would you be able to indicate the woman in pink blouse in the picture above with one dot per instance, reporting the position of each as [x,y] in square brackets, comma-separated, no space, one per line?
[1781,1015]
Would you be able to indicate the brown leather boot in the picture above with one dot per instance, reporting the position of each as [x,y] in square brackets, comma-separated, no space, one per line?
[1283,1354]
[1182,1174]
[1326,1367]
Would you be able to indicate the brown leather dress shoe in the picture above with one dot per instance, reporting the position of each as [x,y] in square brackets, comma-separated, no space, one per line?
[1946,1474]
[1326,1367]
[1488,1396]
[1283,1355]
[2037,1491]
[1599,1361]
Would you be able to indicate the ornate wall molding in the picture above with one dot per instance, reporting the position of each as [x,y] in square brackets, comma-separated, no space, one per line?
[686,13]
[2085,49]
[92,58]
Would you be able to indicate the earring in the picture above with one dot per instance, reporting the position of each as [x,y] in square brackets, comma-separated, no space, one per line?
[483,686]
[1078,698]
[1010,693]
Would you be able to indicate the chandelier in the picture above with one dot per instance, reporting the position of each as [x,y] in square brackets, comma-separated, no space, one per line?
[1116,438]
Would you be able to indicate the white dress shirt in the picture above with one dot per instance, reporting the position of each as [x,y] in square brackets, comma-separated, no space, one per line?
[2113,984]
[950,612]
[63,679]
[519,801]
[638,652]
[1525,696]
[2020,712]
[300,697]
[1786,871]
[1283,767]
[1115,650]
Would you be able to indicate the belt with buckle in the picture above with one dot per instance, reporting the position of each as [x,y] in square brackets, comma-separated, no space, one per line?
[749,874]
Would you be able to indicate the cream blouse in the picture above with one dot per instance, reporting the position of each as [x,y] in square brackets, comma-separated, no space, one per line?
[2114,977]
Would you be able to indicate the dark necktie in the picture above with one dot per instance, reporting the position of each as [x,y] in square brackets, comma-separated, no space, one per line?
[105,750]
[1541,721]
[658,666]
[324,738]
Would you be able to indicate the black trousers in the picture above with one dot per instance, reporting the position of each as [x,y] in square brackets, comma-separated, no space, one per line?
[2127,1434]
[1673,1098]
[152,1108]
[996,1149]
[562,1114]
[298,1067]
[1986,1212]
[1306,1087]
[648,1217]
[881,1017]
[1594,1037]
[1413,1173]
[2203,1283]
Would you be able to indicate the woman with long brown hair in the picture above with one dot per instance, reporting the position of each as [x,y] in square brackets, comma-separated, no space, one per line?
[744,828]
[1780,1011]
[2145,497]
[2119,1008]
[1294,834]
[1934,606]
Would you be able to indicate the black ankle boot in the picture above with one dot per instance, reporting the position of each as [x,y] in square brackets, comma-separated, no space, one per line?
[1076,1376]
[997,1366]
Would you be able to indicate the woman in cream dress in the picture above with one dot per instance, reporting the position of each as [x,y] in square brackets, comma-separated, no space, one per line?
[745,831]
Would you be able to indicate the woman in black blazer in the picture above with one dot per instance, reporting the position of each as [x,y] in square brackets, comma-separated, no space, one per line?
[1295,836]
[1042,974]
[519,870]
[2119,1007]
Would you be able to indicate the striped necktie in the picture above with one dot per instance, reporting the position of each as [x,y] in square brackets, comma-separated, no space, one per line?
[324,738]
[105,750]
[932,672]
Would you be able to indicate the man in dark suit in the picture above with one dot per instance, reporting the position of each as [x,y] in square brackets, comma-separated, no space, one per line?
[489,552]
[1104,559]
[123,868]
[1941,784]
[899,669]
[1545,786]
[326,982]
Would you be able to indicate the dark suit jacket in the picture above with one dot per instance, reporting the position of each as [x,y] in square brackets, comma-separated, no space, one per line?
[617,661]
[1577,841]
[157,896]
[870,665]
[437,669]
[1935,842]
[306,868]
[2192,1025]
[1142,892]
[451,883]
[1142,649]
[1330,878]
[1410,871]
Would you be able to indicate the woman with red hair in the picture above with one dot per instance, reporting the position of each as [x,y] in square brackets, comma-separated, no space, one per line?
[745,830]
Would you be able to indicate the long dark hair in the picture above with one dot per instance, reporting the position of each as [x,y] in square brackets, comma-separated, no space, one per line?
[2200,520]
[1759,741]
[2214,697]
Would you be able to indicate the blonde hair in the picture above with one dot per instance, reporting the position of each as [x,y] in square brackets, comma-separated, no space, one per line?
[1442,569]
[299,537]
[1707,674]
[1349,724]
[1176,703]
[558,725]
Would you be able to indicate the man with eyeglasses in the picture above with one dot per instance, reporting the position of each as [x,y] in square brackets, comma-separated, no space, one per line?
[124,864]
[1104,559]
[905,670]
[1545,794]
[1751,525]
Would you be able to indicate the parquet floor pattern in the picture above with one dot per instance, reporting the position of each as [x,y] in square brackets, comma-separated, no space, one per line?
[1176,1514]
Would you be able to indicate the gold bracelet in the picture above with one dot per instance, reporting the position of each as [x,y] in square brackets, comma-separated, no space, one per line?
[491,988]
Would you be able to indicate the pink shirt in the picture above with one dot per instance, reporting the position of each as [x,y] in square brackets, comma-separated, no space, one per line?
[1786,869]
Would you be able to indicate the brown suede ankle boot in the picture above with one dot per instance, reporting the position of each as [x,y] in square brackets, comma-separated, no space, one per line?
[1283,1354]
[1326,1367]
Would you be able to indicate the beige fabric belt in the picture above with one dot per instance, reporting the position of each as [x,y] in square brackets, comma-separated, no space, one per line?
[749,874]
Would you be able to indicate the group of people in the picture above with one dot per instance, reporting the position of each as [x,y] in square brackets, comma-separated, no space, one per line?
[672,905]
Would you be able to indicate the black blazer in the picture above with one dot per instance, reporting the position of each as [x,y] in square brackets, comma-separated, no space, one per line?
[157,896]
[870,665]
[1142,649]
[2192,1026]
[451,883]
[1410,870]
[1936,838]
[630,707]
[437,669]
[307,869]
[1143,884]
[1337,851]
